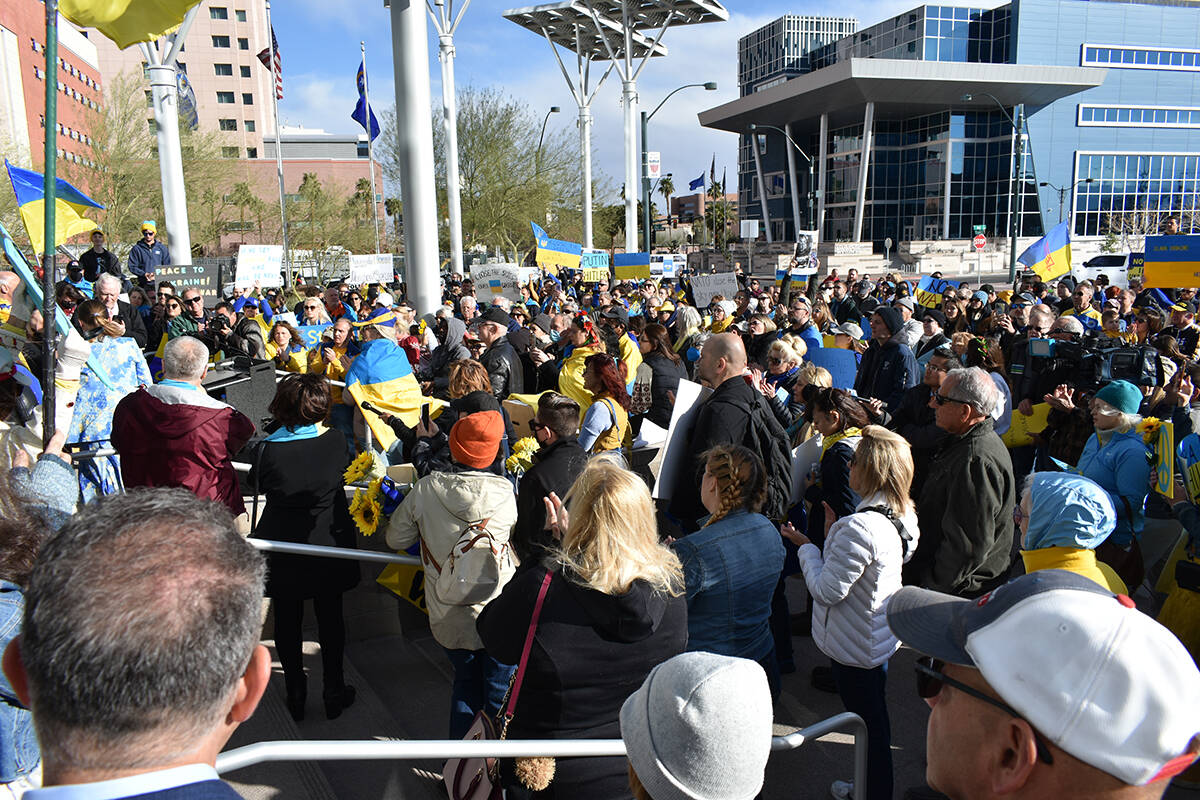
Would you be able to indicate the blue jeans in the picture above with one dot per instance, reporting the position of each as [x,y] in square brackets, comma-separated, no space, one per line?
[864,692]
[480,683]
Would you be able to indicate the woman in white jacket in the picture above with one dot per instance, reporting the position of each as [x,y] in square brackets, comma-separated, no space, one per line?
[851,582]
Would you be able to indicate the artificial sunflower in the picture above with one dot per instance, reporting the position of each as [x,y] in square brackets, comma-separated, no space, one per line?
[368,515]
[359,467]
[1149,428]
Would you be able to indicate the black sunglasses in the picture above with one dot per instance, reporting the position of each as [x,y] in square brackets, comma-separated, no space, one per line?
[931,679]
[941,399]
[194,300]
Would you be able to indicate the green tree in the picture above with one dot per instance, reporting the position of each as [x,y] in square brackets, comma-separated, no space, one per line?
[394,208]
[666,187]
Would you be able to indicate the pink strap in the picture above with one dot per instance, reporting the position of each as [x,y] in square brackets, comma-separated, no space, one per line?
[533,622]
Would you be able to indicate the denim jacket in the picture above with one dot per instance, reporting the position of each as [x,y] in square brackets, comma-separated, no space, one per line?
[18,746]
[730,569]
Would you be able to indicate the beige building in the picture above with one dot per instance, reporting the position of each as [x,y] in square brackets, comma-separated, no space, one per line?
[233,88]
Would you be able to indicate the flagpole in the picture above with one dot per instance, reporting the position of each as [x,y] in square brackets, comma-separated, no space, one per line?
[49,309]
[370,148]
[287,253]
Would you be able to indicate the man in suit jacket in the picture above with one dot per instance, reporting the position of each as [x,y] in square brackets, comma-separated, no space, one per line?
[108,290]
[139,654]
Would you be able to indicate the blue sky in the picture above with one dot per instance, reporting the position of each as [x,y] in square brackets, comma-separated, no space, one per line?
[319,42]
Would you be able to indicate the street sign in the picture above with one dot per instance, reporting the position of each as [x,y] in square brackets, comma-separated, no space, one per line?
[653,165]
[979,229]
[749,229]
[980,241]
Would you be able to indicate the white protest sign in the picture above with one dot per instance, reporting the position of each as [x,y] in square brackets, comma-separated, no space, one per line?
[496,280]
[673,456]
[371,268]
[705,287]
[258,263]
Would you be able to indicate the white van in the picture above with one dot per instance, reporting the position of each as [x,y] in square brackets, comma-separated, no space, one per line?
[1114,266]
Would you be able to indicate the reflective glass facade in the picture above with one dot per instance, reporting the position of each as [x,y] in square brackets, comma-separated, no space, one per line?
[781,50]
[1136,189]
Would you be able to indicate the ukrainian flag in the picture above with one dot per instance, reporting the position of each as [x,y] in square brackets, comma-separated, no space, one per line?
[1050,256]
[382,376]
[555,254]
[70,205]
[127,22]
[631,266]
[155,362]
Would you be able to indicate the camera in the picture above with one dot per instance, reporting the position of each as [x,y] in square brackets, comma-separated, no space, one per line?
[1096,361]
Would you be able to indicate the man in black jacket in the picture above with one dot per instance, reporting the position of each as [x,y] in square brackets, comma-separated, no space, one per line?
[888,367]
[916,421]
[500,359]
[555,467]
[98,261]
[108,290]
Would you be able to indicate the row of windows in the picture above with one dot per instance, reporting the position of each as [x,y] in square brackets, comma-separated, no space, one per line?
[228,97]
[74,158]
[1127,187]
[226,70]
[66,66]
[223,42]
[232,125]
[68,131]
[1141,58]
[221,12]
[74,94]
[1138,116]
[233,152]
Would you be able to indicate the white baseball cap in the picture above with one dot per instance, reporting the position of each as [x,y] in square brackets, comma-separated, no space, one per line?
[384,299]
[1083,666]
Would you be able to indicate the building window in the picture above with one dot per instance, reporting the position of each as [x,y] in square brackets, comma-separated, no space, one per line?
[1121,57]
[240,15]
[224,97]
[229,152]
[220,41]
[249,126]
[243,43]
[247,98]
[1135,191]
[1114,116]
[251,152]
[218,12]
[223,69]
[245,71]
[227,124]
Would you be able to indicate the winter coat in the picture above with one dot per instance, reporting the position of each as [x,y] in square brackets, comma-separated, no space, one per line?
[886,371]
[966,517]
[554,470]
[831,485]
[306,504]
[447,353]
[914,420]
[170,436]
[437,511]
[1121,465]
[910,333]
[666,375]
[851,581]
[926,348]
[590,652]
[504,368]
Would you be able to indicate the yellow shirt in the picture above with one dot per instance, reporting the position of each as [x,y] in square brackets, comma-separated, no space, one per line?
[1074,559]
[334,372]
[297,361]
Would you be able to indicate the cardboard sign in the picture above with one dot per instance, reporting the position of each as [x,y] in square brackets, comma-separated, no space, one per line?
[371,268]
[496,280]
[520,414]
[842,364]
[1020,432]
[204,277]
[1188,460]
[673,455]
[705,287]
[595,275]
[258,263]
[407,581]
[930,290]
[667,265]
[312,333]
[593,259]
[631,266]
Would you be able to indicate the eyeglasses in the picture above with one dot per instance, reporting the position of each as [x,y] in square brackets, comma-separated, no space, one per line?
[194,300]
[937,368]
[931,680]
[312,308]
[535,426]
[174,305]
[941,399]
[773,360]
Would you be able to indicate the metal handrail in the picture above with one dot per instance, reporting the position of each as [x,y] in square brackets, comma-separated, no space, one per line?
[84,455]
[296,548]
[363,750]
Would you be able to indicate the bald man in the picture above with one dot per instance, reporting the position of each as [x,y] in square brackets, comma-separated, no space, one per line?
[723,418]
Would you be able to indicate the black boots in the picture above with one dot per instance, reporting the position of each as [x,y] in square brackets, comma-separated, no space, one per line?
[338,699]
[297,694]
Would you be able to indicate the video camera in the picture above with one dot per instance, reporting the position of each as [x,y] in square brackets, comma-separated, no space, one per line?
[1098,360]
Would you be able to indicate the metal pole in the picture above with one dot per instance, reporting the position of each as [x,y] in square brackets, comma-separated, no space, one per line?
[49,332]
[646,221]
[450,124]
[287,253]
[630,99]
[792,179]
[864,166]
[410,55]
[762,185]
[823,158]
[1012,234]
[585,158]
[370,149]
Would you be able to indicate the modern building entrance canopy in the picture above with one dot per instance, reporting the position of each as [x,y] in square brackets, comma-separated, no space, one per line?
[570,25]
[897,88]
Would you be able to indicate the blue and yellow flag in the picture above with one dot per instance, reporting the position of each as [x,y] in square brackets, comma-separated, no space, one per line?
[631,266]
[1050,256]
[70,205]
[382,376]
[127,22]
[363,110]
[555,254]
[155,363]
[929,291]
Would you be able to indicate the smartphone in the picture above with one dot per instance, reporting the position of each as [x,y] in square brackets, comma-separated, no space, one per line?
[425,423]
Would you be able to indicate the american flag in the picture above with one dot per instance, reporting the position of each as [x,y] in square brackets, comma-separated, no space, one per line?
[265,57]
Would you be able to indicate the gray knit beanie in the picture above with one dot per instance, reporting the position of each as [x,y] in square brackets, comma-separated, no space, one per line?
[699,728]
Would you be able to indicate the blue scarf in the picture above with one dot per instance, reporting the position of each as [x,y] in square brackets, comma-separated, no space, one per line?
[299,433]
[178,384]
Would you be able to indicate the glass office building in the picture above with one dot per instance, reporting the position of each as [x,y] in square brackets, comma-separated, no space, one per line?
[927,99]
[782,49]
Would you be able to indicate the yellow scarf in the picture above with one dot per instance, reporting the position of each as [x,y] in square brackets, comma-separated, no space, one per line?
[1074,559]
[833,439]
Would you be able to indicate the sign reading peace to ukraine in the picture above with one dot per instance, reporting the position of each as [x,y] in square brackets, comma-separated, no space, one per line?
[930,290]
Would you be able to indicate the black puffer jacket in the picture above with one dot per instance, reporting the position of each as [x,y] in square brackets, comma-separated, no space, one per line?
[504,368]
[664,381]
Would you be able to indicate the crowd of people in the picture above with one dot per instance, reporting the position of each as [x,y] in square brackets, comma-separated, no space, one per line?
[970,474]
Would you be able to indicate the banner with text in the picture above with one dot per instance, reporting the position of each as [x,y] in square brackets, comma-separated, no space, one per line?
[668,265]
[706,287]
[496,280]
[930,290]
[205,277]
[312,333]
[259,263]
[1172,262]
[371,268]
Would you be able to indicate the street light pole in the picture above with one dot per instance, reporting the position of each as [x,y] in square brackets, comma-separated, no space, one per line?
[1018,174]
[1062,192]
[541,136]
[811,210]
[708,87]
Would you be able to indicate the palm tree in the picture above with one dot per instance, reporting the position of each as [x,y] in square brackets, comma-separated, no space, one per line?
[666,187]
[394,208]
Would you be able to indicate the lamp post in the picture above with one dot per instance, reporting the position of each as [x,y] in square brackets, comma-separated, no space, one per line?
[1062,192]
[1018,173]
[708,87]
[811,195]
[542,135]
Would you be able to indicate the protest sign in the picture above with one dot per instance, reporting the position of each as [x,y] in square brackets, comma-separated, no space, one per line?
[520,414]
[258,263]
[800,273]
[673,455]
[555,254]
[594,275]
[371,268]
[1022,428]
[930,290]
[1188,456]
[204,277]
[312,333]
[668,265]
[406,581]
[1171,261]
[1164,460]
[496,280]
[705,287]
[631,266]
[842,364]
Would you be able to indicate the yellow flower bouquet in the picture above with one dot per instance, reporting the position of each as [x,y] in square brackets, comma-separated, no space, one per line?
[522,455]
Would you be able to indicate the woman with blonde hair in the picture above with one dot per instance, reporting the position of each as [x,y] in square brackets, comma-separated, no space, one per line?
[732,564]
[851,580]
[613,609]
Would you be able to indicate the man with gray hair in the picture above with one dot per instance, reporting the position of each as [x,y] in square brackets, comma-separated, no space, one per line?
[108,291]
[139,654]
[174,434]
[966,506]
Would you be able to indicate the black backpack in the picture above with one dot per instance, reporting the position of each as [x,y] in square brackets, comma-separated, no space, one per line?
[766,437]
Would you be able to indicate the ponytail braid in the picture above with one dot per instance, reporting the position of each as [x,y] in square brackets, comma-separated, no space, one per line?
[741,482]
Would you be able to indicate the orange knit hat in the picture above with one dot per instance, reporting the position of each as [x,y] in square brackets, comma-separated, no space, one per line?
[475,439]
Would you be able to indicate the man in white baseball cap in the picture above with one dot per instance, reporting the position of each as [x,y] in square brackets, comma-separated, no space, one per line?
[1050,686]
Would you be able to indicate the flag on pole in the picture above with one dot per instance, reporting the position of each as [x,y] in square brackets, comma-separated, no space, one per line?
[127,22]
[363,110]
[1050,256]
[712,171]
[70,205]
[696,184]
[264,56]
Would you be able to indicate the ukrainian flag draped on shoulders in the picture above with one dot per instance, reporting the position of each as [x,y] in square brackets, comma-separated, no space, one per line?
[382,376]
[70,205]
[1050,256]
